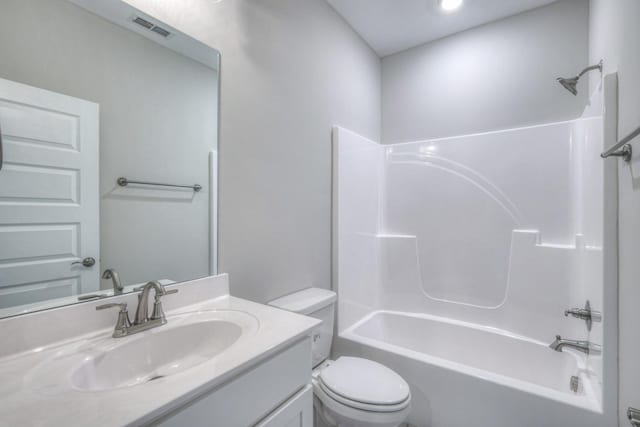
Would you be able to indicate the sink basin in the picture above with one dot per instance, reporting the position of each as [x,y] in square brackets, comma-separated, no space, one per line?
[184,342]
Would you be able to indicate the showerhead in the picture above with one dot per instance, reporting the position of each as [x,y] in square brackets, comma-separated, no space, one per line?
[571,83]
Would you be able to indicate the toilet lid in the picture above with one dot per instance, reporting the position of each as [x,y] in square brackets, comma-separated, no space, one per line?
[365,381]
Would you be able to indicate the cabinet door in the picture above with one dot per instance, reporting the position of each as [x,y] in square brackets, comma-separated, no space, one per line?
[251,396]
[295,412]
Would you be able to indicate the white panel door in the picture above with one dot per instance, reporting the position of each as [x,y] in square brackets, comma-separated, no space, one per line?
[48,195]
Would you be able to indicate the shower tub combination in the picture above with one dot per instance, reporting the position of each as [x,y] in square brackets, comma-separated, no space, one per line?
[456,272]
[465,374]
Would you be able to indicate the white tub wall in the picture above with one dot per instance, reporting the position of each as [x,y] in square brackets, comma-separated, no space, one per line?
[512,169]
[357,176]
[538,289]
[462,197]
[433,222]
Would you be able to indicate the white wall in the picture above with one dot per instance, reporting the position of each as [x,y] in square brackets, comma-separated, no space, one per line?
[149,130]
[615,38]
[498,76]
[291,69]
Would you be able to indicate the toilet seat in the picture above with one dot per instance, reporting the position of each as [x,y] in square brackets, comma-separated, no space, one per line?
[360,405]
[363,385]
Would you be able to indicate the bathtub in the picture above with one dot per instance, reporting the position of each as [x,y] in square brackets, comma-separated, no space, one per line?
[462,374]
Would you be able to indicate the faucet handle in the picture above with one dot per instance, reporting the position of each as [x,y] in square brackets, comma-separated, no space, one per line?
[158,312]
[123,323]
[586,314]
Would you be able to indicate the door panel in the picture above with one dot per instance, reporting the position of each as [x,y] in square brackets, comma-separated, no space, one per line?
[48,195]
[38,241]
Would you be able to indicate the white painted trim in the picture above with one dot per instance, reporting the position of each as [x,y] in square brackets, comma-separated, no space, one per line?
[213,212]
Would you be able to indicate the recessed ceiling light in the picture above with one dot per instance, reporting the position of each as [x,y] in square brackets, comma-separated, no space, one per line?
[450,5]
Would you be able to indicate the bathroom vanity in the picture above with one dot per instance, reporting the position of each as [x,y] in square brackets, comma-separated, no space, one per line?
[218,358]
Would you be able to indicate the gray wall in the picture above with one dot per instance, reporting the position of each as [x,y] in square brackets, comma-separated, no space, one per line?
[497,76]
[158,114]
[615,38]
[291,69]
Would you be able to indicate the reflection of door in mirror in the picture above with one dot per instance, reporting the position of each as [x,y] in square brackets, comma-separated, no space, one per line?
[48,195]
[62,201]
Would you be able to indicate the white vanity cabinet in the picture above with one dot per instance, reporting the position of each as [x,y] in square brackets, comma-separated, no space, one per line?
[274,393]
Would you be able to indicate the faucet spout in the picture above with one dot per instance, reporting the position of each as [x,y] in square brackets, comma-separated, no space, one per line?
[112,274]
[584,346]
[142,312]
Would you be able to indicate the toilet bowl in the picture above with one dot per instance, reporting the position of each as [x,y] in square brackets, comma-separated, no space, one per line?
[350,391]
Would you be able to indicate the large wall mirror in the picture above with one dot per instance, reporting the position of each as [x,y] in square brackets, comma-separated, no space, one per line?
[109,125]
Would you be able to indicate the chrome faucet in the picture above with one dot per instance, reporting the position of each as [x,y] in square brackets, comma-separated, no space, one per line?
[583,346]
[112,274]
[109,273]
[142,321]
[142,312]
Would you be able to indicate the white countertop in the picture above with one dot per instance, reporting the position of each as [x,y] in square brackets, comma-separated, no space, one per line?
[30,395]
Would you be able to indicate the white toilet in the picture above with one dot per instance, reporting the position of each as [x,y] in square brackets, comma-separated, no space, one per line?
[350,391]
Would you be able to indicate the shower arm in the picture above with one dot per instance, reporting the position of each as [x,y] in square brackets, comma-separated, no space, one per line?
[598,66]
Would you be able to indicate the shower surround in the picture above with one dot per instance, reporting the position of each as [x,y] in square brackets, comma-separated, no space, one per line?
[455,259]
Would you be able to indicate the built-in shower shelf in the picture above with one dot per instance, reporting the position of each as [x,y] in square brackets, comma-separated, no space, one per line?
[536,239]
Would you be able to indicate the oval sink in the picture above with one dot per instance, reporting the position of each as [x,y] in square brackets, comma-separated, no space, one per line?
[157,353]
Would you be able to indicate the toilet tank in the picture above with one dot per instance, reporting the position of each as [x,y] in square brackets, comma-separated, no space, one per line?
[320,304]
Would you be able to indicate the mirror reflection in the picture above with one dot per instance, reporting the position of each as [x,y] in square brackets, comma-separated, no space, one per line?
[108,118]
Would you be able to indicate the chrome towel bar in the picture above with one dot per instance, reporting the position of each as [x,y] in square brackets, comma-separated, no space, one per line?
[123,182]
[622,148]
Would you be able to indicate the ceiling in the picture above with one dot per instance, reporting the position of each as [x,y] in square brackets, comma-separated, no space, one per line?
[390,26]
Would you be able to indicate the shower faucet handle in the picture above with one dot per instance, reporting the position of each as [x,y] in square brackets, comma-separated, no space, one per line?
[586,314]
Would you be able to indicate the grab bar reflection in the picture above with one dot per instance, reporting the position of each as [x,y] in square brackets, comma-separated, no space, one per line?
[123,182]
[622,148]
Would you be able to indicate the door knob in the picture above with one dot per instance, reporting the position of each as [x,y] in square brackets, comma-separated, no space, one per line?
[634,417]
[87,262]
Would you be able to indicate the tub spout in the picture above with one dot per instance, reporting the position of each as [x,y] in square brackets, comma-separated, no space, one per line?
[583,346]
